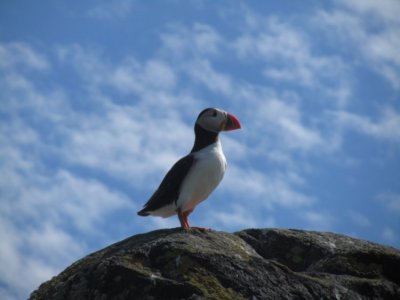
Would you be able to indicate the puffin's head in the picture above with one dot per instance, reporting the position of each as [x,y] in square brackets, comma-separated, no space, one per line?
[216,120]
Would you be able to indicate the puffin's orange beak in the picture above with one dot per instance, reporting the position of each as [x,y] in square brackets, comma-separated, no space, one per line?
[232,123]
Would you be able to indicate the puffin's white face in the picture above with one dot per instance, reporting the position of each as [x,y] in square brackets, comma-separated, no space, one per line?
[216,120]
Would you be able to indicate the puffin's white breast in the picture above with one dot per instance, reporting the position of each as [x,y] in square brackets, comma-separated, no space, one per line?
[207,172]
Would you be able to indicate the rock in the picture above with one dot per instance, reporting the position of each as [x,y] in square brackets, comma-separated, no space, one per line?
[251,264]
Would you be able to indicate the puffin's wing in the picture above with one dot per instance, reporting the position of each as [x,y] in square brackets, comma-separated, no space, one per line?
[168,191]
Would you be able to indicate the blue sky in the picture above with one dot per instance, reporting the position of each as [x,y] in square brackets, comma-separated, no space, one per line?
[98,100]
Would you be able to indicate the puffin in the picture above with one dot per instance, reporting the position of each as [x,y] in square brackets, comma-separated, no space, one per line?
[193,177]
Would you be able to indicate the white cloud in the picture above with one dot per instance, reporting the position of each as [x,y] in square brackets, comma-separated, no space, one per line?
[159,74]
[125,142]
[39,213]
[318,220]
[18,54]
[134,77]
[385,10]
[384,46]
[202,71]
[84,202]
[19,94]
[42,203]
[284,122]
[206,38]
[200,40]
[389,235]
[151,82]
[30,256]
[267,190]
[286,53]
[386,127]
[236,217]
[24,267]
[373,38]
[359,218]
[391,201]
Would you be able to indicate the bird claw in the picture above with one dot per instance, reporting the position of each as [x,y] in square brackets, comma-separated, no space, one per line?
[201,229]
[183,219]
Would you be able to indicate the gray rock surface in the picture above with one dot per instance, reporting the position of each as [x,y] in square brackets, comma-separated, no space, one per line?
[251,264]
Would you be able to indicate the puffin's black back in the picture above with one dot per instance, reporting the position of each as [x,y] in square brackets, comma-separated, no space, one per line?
[169,189]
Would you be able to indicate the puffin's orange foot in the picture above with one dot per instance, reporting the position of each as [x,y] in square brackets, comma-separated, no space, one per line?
[201,229]
[183,219]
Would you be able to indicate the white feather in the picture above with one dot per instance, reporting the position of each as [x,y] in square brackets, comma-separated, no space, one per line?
[205,175]
[164,211]
[207,172]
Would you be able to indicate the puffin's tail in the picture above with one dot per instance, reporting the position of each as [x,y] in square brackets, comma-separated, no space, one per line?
[143,213]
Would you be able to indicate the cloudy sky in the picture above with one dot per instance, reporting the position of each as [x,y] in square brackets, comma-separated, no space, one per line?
[98,100]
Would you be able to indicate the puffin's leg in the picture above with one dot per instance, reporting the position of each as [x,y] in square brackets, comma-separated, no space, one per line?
[183,219]
[186,214]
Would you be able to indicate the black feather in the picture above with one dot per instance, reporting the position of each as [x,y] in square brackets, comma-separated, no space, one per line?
[169,189]
[203,138]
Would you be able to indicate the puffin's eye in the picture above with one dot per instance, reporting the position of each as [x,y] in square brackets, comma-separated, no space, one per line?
[214,113]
